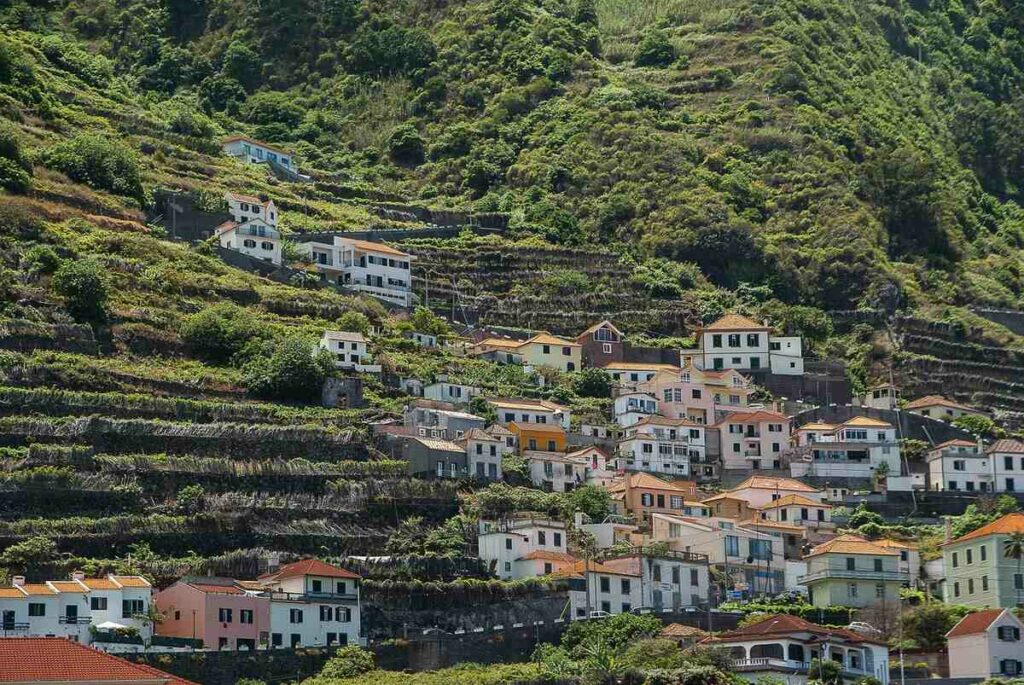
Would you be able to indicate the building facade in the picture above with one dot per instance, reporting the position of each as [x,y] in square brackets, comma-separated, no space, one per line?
[978,571]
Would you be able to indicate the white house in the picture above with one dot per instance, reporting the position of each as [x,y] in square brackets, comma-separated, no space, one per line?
[68,608]
[883,396]
[254,237]
[938,407]
[556,472]
[1007,459]
[986,644]
[501,544]
[367,267]
[456,393]
[484,453]
[253,151]
[631,407]
[525,411]
[244,208]
[959,465]
[349,350]
[783,646]
[852,449]
[316,601]
[423,339]
[736,342]
[762,491]
[660,445]
[631,373]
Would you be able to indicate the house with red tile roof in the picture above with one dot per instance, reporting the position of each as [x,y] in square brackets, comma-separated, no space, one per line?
[851,571]
[938,407]
[221,612]
[737,342]
[69,608]
[40,660]
[853,449]
[753,439]
[784,645]
[363,266]
[986,644]
[981,570]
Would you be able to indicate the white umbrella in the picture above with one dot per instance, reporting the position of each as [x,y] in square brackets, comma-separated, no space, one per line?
[110,625]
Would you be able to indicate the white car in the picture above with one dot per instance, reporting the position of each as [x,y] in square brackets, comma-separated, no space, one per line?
[599,614]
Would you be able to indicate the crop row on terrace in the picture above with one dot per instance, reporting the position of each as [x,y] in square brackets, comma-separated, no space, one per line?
[52,402]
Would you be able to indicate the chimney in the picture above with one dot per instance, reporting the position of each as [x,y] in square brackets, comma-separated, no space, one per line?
[949,528]
[18,581]
[78,575]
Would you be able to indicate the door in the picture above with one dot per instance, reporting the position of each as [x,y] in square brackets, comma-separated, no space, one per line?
[71,612]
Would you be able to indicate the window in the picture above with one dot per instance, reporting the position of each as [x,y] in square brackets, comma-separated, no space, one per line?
[267,246]
[851,590]
[734,340]
[625,586]
[970,586]
[276,639]
[508,543]
[547,349]
[1018,581]
[696,393]
[880,590]
[676,501]
[959,465]
[1008,463]
[1010,667]
[326,613]
[878,565]
[956,560]
[98,603]
[295,616]
[318,585]
[761,549]
[646,499]
[851,563]
[558,539]
[983,552]
[606,585]
[245,616]
[753,340]
[716,340]
[131,607]
[732,546]
[36,609]
[694,577]
[970,556]
[542,538]
[222,643]
[956,589]
[224,615]
[566,352]
[984,583]
[1008,633]
[342,614]
[249,243]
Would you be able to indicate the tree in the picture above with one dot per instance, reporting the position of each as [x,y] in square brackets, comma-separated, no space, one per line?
[291,371]
[97,161]
[926,625]
[81,284]
[655,50]
[218,333]
[592,500]
[29,553]
[348,662]
[617,632]
[405,144]
[425,321]
[592,382]
[15,167]
[862,515]
[354,321]
[1013,548]
[825,670]
[976,425]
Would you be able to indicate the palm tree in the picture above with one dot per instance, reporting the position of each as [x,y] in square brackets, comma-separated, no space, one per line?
[1013,548]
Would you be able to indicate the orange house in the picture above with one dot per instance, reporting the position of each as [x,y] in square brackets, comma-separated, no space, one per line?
[544,437]
[642,494]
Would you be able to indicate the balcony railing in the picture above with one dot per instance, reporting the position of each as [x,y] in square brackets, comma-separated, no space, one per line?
[878,576]
[761,663]
[9,627]
[259,232]
[312,597]
[74,620]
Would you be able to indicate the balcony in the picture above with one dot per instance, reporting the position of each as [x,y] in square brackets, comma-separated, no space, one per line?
[310,597]
[74,620]
[756,435]
[858,574]
[768,663]
[259,232]
[9,627]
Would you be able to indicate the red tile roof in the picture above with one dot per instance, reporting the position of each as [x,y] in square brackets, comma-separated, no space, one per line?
[310,567]
[734,322]
[1011,523]
[548,555]
[57,660]
[978,622]
[781,624]
[1006,446]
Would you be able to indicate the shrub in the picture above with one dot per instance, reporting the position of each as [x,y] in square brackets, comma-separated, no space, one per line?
[13,177]
[99,162]
[190,499]
[406,145]
[18,221]
[41,259]
[15,169]
[84,290]
[592,383]
[348,662]
[356,322]
[291,370]
[655,50]
[220,332]
[29,553]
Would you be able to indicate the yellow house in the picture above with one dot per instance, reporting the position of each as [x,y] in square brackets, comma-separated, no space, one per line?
[538,436]
[542,349]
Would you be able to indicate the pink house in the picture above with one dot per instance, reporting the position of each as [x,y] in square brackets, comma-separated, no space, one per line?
[218,611]
[696,395]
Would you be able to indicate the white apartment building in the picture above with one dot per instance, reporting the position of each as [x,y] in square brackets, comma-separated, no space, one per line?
[736,342]
[313,603]
[883,396]
[938,407]
[68,608]
[255,238]
[753,439]
[960,466]
[456,393]
[349,350]
[660,445]
[852,449]
[367,267]
[631,407]
[502,544]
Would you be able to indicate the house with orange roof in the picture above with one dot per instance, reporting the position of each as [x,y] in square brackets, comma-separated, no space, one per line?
[37,660]
[69,608]
[249,207]
[524,411]
[960,466]
[852,571]
[313,604]
[640,494]
[986,644]
[980,568]
[799,510]
[783,646]
[761,491]
[698,395]
[531,437]
[737,342]
[363,266]
[938,407]
[853,449]
[672,447]
[541,350]
[910,558]
[630,374]
[753,439]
